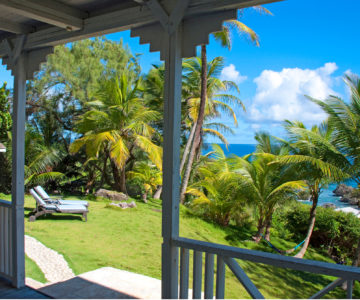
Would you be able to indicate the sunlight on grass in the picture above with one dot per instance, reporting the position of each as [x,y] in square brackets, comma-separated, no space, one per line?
[131,240]
[33,271]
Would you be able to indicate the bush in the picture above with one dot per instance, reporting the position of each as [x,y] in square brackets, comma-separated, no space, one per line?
[335,232]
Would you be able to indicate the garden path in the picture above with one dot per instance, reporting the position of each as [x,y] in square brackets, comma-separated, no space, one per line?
[51,263]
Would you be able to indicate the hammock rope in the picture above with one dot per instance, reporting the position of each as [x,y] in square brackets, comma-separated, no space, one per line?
[282,252]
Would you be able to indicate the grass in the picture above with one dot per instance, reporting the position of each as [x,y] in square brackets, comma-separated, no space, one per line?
[33,271]
[131,240]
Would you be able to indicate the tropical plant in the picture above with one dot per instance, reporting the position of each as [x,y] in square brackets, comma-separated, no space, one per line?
[265,183]
[317,160]
[149,177]
[117,124]
[5,116]
[218,100]
[215,193]
[344,119]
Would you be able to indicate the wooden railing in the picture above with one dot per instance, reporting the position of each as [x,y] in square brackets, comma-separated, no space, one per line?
[6,269]
[226,255]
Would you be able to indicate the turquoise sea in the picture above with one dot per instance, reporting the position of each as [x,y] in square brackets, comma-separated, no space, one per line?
[326,196]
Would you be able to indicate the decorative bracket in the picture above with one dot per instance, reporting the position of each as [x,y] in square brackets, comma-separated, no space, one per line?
[195,30]
[33,59]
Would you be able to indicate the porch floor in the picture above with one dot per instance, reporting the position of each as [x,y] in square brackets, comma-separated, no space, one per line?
[106,283]
[9,292]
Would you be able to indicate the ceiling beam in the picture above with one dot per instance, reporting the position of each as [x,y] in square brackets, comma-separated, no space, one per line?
[123,20]
[13,27]
[47,11]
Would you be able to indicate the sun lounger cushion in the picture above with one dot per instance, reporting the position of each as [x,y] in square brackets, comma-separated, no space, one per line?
[73,202]
[37,198]
[44,195]
[72,208]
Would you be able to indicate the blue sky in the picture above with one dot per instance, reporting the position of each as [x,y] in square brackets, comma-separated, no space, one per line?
[306,47]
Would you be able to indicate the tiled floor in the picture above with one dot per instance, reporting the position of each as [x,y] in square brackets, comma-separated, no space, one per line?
[8,292]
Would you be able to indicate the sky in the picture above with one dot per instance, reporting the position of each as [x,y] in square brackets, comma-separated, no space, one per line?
[306,47]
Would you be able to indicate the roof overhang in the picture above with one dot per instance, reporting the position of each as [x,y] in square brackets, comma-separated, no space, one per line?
[50,23]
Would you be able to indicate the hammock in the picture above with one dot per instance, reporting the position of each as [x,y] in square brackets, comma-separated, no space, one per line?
[282,252]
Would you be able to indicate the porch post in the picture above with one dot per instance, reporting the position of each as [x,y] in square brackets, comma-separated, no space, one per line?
[18,162]
[171,164]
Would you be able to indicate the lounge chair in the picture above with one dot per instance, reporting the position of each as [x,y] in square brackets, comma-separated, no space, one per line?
[44,195]
[43,208]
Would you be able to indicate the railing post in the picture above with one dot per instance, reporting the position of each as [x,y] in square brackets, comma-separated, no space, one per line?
[220,278]
[349,290]
[18,162]
[171,164]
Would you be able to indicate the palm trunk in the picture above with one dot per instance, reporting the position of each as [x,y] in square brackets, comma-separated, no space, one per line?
[158,192]
[312,218]
[144,197]
[123,181]
[103,175]
[119,178]
[267,229]
[199,124]
[187,147]
[260,230]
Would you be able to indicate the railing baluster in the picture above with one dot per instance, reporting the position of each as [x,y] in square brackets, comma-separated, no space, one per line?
[349,290]
[184,273]
[209,276]
[220,278]
[6,240]
[197,275]
[2,238]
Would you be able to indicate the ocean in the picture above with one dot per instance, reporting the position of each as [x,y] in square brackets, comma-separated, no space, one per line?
[326,195]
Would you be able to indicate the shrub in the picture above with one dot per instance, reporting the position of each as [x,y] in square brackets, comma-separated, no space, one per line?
[336,232]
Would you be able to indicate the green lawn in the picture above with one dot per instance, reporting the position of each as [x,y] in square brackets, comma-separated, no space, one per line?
[131,240]
[33,271]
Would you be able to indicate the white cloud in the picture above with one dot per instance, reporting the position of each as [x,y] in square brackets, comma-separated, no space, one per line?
[230,73]
[280,95]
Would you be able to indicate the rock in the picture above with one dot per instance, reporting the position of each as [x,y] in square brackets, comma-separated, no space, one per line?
[124,205]
[112,195]
[343,189]
[329,205]
[344,199]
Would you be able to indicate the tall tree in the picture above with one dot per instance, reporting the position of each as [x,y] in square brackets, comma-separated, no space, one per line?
[317,160]
[218,100]
[5,116]
[224,37]
[344,118]
[116,125]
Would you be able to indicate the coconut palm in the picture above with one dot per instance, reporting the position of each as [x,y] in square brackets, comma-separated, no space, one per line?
[344,119]
[218,100]
[225,38]
[216,190]
[265,183]
[117,124]
[317,160]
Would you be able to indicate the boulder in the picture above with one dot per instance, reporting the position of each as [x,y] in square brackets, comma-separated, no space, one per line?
[112,195]
[329,205]
[343,189]
[124,205]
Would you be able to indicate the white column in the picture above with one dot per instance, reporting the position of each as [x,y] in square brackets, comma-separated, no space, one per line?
[18,162]
[171,165]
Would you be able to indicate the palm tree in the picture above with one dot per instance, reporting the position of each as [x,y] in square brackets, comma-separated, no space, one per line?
[216,190]
[117,124]
[344,119]
[148,176]
[224,36]
[266,183]
[317,160]
[218,100]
